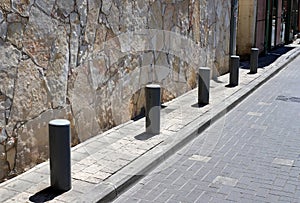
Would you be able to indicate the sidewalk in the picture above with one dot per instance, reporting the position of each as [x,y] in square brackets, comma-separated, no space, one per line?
[107,164]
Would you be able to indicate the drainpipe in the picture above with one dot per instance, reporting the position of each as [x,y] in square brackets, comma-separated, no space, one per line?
[255,25]
[288,23]
[233,26]
[267,26]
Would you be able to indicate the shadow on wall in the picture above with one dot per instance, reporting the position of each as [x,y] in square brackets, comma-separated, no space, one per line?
[267,59]
[137,102]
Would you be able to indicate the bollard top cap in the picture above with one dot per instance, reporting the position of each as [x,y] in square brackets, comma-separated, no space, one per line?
[204,68]
[154,86]
[234,56]
[59,122]
[255,49]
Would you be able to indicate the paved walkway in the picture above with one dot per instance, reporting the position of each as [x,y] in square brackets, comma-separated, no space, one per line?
[105,165]
[250,155]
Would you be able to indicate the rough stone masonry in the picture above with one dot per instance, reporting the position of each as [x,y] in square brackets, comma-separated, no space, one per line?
[89,61]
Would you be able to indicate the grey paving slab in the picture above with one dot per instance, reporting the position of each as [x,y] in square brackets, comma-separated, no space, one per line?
[18,185]
[21,197]
[7,193]
[34,177]
[104,166]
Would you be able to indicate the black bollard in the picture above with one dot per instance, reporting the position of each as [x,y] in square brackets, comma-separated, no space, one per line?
[203,85]
[153,109]
[60,154]
[234,70]
[254,60]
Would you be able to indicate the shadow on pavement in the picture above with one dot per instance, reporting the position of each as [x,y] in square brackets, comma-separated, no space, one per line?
[230,86]
[267,59]
[198,105]
[45,195]
[144,136]
[216,80]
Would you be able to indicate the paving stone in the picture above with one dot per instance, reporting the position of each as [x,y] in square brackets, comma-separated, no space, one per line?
[234,196]
[163,197]
[77,167]
[80,175]
[44,170]
[264,104]
[38,187]
[258,127]
[7,193]
[94,144]
[34,177]
[286,162]
[280,182]
[21,197]
[82,186]
[255,114]
[69,196]
[91,169]
[101,175]
[87,161]
[200,158]
[225,181]
[77,156]
[91,150]
[180,181]
[94,180]
[19,185]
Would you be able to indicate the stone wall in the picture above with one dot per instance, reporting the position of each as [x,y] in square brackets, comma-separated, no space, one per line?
[89,61]
[246,27]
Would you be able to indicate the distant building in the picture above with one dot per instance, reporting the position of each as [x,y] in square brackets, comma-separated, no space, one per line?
[266,24]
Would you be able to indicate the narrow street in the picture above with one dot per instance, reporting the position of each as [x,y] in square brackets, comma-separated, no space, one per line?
[250,155]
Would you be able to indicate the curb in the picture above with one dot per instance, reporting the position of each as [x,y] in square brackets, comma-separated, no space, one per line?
[119,182]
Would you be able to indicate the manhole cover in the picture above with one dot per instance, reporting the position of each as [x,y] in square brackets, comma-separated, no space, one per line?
[288,99]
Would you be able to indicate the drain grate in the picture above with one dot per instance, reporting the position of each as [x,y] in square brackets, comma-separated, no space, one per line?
[288,99]
[295,99]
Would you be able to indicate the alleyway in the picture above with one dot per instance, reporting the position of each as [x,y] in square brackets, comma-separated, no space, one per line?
[250,155]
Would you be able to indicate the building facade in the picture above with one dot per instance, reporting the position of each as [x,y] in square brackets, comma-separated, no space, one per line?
[266,24]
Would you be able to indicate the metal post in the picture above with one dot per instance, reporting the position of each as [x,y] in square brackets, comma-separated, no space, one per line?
[203,85]
[254,60]
[153,109]
[233,26]
[60,154]
[234,70]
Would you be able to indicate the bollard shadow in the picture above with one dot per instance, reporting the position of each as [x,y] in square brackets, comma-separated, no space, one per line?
[230,86]
[140,115]
[215,79]
[144,136]
[198,105]
[143,113]
[45,195]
